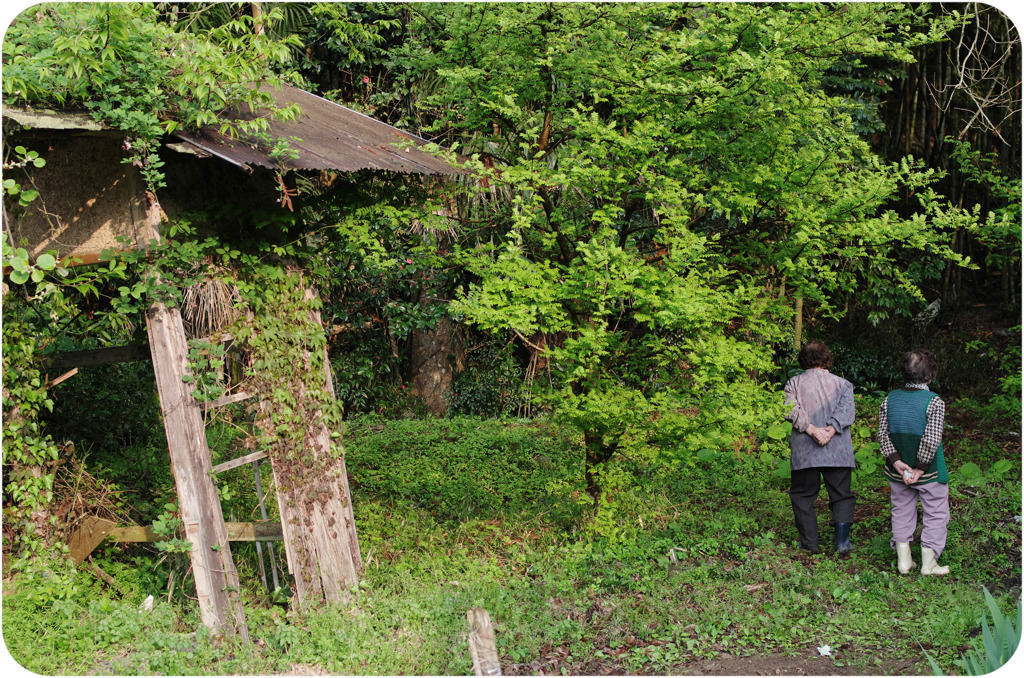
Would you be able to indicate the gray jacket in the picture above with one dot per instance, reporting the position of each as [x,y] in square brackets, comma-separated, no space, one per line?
[820,398]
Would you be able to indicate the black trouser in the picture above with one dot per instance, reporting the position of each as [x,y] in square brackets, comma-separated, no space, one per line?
[804,486]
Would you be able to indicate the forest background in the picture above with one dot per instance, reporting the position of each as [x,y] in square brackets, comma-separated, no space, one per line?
[560,374]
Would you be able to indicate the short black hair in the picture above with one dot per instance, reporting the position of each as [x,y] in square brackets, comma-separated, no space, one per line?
[919,366]
[815,354]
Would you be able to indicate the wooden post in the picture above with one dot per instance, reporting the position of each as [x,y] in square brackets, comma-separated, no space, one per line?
[482,647]
[217,586]
[315,503]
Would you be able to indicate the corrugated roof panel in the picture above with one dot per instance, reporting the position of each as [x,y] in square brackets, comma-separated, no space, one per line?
[330,137]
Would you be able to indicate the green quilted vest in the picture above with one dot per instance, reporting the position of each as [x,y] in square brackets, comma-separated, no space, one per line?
[908,415]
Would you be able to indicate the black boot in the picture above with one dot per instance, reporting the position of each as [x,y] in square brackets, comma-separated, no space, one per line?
[843,545]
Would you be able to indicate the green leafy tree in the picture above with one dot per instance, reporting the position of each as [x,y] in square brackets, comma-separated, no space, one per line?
[657,179]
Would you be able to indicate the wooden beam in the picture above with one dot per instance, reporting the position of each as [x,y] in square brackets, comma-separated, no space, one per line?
[99,356]
[225,400]
[87,537]
[236,532]
[215,575]
[241,461]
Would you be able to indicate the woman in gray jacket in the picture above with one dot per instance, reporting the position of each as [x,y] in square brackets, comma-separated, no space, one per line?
[822,412]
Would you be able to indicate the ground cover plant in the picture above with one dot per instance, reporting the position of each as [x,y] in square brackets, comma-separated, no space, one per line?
[701,567]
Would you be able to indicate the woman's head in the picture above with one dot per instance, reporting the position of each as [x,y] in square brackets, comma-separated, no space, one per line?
[815,354]
[919,366]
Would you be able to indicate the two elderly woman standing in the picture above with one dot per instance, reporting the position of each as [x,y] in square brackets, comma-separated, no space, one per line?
[910,423]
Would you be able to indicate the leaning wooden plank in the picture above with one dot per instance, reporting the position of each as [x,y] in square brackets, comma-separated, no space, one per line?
[87,537]
[216,579]
[99,356]
[241,461]
[236,532]
[226,400]
[482,647]
[315,501]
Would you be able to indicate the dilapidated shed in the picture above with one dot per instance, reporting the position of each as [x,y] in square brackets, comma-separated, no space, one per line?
[93,201]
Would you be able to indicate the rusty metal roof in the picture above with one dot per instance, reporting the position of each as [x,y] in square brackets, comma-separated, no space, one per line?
[327,136]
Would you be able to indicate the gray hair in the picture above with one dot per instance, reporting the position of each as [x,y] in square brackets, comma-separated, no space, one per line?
[919,366]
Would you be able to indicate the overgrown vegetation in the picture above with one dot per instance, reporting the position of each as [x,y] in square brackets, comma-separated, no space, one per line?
[466,512]
[664,199]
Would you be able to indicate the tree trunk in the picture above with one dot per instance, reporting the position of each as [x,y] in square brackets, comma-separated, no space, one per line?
[798,321]
[432,366]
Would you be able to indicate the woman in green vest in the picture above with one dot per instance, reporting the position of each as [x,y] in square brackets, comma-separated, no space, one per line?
[910,422]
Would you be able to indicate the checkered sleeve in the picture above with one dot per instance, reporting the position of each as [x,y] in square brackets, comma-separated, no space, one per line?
[885,445]
[932,437]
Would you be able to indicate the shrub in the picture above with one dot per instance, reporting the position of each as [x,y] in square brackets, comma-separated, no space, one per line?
[461,467]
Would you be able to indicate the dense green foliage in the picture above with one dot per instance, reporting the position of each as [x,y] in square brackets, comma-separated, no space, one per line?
[663,177]
[660,193]
[138,74]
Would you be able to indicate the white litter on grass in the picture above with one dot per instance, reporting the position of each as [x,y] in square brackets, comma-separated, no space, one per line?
[147,605]
[825,651]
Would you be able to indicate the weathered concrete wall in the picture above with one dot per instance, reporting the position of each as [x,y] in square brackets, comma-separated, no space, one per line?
[86,197]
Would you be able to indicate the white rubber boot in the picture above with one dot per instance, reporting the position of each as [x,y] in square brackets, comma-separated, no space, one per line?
[929,565]
[904,562]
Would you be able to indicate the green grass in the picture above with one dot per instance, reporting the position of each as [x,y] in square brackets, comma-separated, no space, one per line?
[690,563]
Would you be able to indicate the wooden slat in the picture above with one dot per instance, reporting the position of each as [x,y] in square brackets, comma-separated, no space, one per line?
[100,356]
[218,338]
[241,461]
[225,400]
[482,647]
[236,532]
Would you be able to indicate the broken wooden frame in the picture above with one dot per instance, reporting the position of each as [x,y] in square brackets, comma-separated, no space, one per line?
[95,201]
[93,530]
